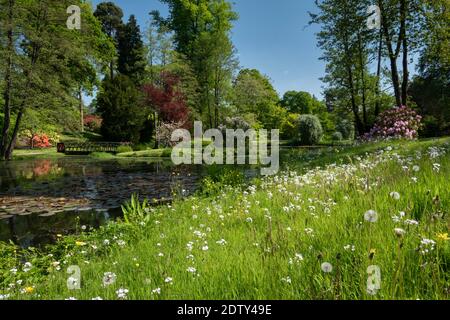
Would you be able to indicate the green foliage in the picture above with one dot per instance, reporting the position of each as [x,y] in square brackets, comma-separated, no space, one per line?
[48,64]
[136,212]
[220,178]
[254,94]
[119,105]
[131,61]
[430,127]
[346,128]
[431,93]
[337,137]
[298,102]
[310,130]
[207,47]
[101,155]
[289,129]
[143,146]
[155,153]
[123,149]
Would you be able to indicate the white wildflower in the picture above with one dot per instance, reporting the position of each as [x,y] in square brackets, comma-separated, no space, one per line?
[371,216]
[109,278]
[122,294]
[327,267]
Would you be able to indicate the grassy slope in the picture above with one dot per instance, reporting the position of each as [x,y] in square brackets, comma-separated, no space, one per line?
[317,215]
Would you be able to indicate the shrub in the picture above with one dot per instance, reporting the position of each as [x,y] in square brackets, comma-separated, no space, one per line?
[337,137]
[234,123]
[142,147]
[430,127]
[310,130]
[93,122]
[398,123]
[164,133]
[41,141]
[124,149]
[346,128]
[289,127]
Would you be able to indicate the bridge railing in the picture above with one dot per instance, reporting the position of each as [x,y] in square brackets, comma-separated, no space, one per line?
[88,147]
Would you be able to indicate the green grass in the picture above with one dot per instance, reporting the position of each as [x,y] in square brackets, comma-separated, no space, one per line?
[156,153]
[80,136]
[49,153]
[101,155]
[277,234]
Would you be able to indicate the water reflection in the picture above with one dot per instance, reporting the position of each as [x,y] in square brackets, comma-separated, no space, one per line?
[41,197]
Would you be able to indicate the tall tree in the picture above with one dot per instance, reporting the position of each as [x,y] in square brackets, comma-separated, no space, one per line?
[131,61]
[298,102]
[110,17]
[119,103]
[254,97]
[202,35]
[344,41]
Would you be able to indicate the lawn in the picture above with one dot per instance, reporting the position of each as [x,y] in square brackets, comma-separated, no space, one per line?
[337,219]
[29,154]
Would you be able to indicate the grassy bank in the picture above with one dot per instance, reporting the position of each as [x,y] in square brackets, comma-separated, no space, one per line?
[153,153]
[30,154]
[309,233]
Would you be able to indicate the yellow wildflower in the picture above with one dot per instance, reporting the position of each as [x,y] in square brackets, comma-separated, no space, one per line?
[80,243]
[443,237]
[29,290]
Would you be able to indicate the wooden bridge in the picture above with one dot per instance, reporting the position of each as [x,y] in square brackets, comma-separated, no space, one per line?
[89,147]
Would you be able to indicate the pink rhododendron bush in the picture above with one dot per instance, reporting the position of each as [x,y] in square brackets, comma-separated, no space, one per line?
[396,123]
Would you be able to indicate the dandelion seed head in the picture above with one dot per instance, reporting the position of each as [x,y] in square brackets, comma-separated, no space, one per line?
[327,267]
[371,216]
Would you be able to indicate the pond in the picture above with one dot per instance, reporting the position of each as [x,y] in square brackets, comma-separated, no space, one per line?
[40,199]
[43,198]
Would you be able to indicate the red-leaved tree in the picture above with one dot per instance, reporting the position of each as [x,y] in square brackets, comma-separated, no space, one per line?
[167,99]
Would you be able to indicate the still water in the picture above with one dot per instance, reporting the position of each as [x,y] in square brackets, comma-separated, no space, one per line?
[42,198]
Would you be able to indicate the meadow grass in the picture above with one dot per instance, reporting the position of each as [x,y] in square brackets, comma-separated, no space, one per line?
[307,233]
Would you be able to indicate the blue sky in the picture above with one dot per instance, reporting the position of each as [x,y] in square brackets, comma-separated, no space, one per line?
[272,36]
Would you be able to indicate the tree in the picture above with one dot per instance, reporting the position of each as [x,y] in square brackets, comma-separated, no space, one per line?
[344,38]
[39,60]
[110,17]
[131,60]
[202,36]
[254,94]
[119,104]
[298,102]
[430,89]
[167,99]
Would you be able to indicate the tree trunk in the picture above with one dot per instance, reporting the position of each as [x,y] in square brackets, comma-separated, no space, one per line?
[12,143]
[359,124]
[80,100]
[156,131]
[377,88]
[8,86]
[363,82]
[216,99]
[351,86]
[404,12]
[111,69]
[392,55]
